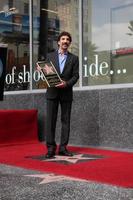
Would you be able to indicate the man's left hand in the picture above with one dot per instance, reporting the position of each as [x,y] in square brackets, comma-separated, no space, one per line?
[61,85]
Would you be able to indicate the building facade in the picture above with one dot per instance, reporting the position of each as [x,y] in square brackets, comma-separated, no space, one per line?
[102,33]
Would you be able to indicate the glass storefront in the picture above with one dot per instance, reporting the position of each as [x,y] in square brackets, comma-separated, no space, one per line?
[14,32]
[50,18]
[107,42]
[102,33]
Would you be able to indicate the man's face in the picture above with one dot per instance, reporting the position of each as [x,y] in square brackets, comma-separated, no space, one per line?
[64,42]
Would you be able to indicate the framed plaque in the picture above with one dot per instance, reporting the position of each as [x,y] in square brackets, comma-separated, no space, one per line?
[50,73]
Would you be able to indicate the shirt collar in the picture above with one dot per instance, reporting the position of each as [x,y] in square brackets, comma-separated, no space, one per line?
[65,53]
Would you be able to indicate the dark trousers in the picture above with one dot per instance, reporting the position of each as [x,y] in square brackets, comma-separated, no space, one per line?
[52,111]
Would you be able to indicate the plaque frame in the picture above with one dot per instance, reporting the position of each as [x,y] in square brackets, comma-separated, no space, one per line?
[50,73]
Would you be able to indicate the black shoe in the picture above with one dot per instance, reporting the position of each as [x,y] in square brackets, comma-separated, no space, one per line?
[65,153]
[50,155]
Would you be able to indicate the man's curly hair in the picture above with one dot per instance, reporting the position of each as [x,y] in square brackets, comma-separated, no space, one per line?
[64,33]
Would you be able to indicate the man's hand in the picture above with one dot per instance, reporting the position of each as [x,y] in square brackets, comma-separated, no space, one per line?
[38,68]
[61,85]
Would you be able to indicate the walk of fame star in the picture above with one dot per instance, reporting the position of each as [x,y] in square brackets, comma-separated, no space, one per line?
[49,178]
[74,159]
[48,70]
[77,158]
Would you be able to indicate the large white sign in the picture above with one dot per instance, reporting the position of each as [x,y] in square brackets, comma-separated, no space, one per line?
[93,70]
[99,68]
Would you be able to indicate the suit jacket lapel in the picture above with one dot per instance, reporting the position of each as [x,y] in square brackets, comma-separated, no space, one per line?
[55,61]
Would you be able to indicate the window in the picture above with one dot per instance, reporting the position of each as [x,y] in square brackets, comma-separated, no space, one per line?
[26,8]
[107,42]
[14,33]
[53,17]
[10,3]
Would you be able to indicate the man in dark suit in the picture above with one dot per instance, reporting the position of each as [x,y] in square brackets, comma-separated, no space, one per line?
[67,65]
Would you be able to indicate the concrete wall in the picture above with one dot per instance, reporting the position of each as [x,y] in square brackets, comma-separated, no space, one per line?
[99,117]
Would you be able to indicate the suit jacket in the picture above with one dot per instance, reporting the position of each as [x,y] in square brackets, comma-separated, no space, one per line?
[70,74]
